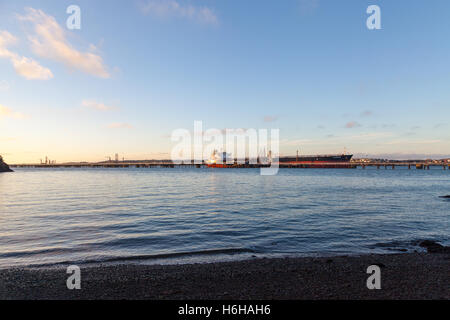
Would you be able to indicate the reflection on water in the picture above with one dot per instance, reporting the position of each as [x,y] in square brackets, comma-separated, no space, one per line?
[57,215]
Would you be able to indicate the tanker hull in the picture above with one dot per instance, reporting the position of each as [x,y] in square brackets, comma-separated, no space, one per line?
[320,161]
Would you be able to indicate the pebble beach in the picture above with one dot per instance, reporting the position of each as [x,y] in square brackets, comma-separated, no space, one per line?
[403,276]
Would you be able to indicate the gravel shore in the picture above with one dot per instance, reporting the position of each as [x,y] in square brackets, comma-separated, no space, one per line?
[403,276]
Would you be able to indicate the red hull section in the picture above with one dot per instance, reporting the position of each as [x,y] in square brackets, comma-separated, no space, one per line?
[321,165]
[218,165]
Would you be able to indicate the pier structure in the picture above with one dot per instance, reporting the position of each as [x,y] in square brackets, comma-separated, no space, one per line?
[422,165]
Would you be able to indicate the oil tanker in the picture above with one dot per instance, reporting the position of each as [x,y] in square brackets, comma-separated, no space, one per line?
[312,161]
[318,161]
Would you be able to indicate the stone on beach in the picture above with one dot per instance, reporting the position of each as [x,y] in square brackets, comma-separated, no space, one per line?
[434,247]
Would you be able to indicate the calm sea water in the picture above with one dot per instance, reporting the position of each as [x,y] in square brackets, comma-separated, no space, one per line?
[51,216]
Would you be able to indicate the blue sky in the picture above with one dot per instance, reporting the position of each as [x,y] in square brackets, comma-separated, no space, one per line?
[137,70]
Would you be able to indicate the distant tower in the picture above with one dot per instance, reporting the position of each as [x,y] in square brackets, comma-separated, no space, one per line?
[46,160]
[117,157]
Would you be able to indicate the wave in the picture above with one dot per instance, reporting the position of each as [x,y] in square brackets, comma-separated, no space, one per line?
[174,255]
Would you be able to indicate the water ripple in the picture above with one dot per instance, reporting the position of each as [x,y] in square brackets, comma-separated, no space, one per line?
[85,215]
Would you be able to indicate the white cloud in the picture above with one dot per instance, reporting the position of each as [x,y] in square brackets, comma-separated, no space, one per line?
[173,8]
[6,112]
[97,105]
[6,39]
[26,67]
[119,125]
[30,69]
[50,41]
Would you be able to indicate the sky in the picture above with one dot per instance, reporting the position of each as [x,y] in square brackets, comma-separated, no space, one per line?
[138,70]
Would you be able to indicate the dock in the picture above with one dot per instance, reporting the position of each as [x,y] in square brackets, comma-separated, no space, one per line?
[422,165]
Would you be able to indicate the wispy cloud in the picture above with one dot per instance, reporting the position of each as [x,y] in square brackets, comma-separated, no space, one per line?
[4,85]
[270,118]
[26,67]
[214,132]
[50,41]
[308,6]
[7,139]
[6,112]
[92,104]
[352,124]
[332,139]
[415,141]
[119,125]
[370,135]
[366,113]
[439,125]
[178,9]
[297,142]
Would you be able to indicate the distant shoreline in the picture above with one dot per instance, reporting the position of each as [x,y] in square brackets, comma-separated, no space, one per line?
[403,276]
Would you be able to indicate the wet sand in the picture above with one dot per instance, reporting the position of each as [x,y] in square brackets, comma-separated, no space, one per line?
[403,276]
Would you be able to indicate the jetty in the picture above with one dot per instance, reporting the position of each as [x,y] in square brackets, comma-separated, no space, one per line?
[420,165]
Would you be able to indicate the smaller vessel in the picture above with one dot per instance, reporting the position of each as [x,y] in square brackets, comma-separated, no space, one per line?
[218,160]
